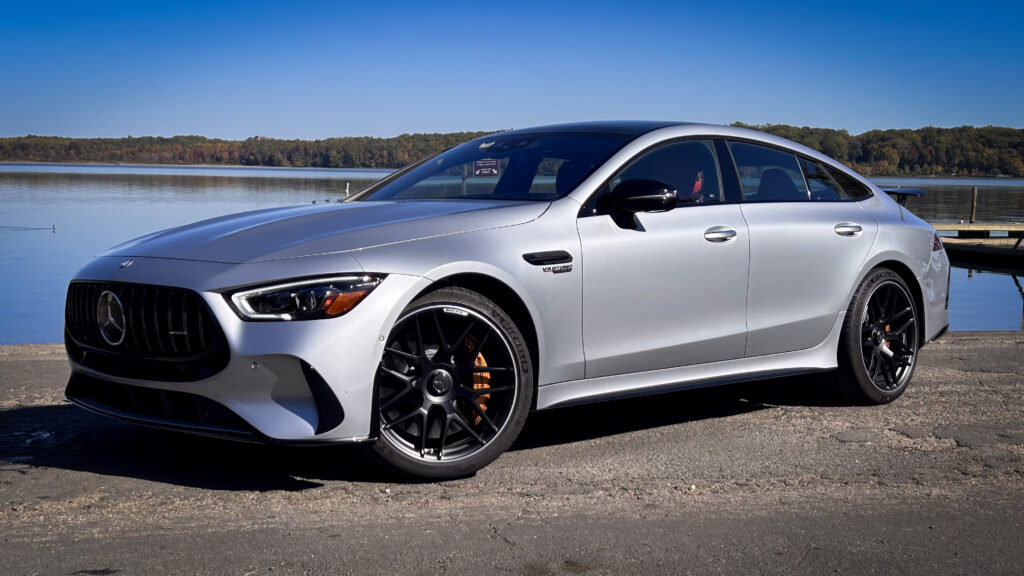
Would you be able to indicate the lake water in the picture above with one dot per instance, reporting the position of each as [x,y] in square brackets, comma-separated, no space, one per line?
[949,199]
[54,218]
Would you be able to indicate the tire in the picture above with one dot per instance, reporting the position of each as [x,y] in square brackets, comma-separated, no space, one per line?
[454,386]
[879,340]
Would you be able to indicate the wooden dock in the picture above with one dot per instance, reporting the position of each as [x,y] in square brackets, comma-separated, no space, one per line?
[974,244]
[980,229]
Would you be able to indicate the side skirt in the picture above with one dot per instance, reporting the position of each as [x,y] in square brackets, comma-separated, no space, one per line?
[821,357]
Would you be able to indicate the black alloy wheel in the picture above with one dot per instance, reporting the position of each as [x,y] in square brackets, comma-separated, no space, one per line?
[880,340]
[889,336]
[453,387]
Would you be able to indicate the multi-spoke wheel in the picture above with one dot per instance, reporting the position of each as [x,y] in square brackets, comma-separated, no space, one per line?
[878,347]
[454,385]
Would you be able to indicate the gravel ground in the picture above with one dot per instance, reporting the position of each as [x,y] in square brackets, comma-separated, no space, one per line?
[772,477]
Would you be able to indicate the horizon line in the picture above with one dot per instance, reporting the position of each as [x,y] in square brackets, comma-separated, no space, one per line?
[265,137]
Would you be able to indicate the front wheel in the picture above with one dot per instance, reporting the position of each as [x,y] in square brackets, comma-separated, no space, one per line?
[879,342]
[454,386]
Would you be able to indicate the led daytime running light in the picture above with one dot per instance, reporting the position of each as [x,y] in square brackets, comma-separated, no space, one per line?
[304,300]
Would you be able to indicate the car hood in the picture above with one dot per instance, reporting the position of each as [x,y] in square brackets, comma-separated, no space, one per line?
[292,232]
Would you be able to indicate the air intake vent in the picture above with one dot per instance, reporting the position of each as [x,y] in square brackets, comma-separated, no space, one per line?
[164,408]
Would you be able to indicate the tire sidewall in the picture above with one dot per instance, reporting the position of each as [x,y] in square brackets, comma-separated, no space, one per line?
[421,468]
[854,348]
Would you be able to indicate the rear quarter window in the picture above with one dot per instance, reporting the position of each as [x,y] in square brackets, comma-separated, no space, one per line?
[851,188]
[827,184]
[820,183]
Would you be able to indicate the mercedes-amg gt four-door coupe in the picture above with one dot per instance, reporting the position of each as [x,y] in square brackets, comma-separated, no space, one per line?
[430,313]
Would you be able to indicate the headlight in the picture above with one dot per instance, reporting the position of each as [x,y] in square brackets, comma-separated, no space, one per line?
[304,299]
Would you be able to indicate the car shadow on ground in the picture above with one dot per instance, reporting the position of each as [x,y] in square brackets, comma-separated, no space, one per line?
[67,437]
[589,421]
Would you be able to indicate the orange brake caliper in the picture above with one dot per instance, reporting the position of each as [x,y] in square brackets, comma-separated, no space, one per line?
[481,380]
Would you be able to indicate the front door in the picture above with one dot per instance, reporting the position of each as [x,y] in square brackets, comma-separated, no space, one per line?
[671,292]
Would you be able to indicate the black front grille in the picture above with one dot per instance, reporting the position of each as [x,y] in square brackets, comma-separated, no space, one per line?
[169,333]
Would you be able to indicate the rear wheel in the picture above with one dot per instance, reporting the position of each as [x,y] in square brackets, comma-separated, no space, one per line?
[454,386]
[879,342]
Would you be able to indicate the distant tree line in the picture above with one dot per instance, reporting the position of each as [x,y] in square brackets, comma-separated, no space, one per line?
[964,151]
[928,151]
[353,152]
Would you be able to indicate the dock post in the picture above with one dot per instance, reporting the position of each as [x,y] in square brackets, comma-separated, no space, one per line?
[974,217]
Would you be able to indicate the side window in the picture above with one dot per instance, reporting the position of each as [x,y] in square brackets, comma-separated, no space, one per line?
[851,188]
[767,174]
[689,166]
[822,186]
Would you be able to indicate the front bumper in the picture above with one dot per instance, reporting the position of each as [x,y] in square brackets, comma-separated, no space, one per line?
[296,382]
[167,409]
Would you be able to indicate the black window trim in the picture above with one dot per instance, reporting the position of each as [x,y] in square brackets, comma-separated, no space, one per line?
[722,145]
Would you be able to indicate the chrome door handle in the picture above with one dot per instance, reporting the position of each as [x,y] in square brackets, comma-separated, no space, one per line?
[848,229]
[719,234]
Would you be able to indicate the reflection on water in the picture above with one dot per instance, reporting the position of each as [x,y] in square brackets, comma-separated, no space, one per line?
[155,188]
[982,300]
[53,221]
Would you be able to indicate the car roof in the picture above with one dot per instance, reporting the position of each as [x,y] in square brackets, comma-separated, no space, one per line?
[632,128]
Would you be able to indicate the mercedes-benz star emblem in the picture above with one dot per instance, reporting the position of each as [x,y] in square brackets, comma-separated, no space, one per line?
[110,316]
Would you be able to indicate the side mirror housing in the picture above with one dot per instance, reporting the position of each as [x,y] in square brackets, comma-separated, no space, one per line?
[637,195]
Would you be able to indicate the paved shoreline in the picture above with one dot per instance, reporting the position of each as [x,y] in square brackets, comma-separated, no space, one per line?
[772,477]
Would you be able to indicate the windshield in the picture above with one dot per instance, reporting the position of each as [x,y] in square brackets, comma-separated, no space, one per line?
[504,167]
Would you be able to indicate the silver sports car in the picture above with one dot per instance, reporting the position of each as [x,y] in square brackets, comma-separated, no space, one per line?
[532,269]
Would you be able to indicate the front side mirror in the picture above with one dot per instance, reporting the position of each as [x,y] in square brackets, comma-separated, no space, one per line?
[637,195]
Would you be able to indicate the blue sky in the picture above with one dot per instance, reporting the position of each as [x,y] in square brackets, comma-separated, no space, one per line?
[321,69]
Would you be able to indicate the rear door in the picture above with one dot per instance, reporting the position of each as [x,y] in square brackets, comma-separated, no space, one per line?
[808,240]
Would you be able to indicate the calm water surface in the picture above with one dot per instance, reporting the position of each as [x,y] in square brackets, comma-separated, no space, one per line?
[949,199]
[54,218]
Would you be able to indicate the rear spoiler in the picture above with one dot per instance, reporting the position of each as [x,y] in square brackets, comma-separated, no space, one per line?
[901,193]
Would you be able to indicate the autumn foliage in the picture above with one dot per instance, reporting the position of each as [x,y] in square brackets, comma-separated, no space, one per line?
[929,151]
